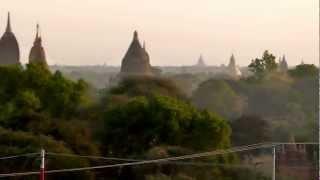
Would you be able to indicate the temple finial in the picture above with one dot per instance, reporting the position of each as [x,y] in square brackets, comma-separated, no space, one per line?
[232,58]
[8,29]
[135,35]
[38,27]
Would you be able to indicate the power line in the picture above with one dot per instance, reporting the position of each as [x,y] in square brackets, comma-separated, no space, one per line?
[92,157]
[135,162]
[19,156]
[192,156]
[127,159]
[130,159]
[295,143]
[19,174]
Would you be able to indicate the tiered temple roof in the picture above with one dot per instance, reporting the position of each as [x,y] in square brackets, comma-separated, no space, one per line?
[136,61]
[283,65]
[37,54]
[9,47]
[232,67]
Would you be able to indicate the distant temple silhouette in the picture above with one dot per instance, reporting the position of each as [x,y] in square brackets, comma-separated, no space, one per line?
[201,62]
[232,68]
[37,54]
[283,65]
[136,60]
[9,47]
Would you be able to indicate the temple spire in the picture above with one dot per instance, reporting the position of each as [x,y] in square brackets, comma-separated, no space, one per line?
[8,29]
[284,58]
[37,53]
[38,35]
[135,35]
[201,59]
[232,60]
[37,40]
[144,45]
[232,57]
[201,62]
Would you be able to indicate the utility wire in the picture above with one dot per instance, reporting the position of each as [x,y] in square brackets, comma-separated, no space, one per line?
[133,160]
[127,159]
[18,156]
[295,143]
[192,156]
[142,162]
[92,157]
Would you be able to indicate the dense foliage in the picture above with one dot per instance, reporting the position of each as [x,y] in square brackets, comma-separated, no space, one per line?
[154,119]
[250,130]
[261,67]
[36,108]
[217,96]
[150,118]
[147,86]
[286,101]
[144,123]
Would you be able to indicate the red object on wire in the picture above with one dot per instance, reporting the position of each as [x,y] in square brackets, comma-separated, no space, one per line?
[42,166]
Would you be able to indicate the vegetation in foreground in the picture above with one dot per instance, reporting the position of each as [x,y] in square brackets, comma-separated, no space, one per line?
[147,118]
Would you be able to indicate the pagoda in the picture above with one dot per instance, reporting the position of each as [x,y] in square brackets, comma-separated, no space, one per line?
[136,60]
[9,47]
[37,53]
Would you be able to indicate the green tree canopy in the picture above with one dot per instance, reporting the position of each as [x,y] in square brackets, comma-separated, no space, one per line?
[143,123]
[217,96]
[36,89]
[250,130]
[36,108]
[304,70]
[146,86]
[19,142]
[263,66]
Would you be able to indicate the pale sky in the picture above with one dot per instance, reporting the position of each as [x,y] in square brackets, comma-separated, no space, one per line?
[88,32]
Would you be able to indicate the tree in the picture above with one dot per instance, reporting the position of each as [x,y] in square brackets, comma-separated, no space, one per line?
[37,89]
[161,126]
[147,86]
[250,129]
[131,87]
[217,96]
[61,92]
[143,123]
[304,70]
[35,111]
[263,66]
[19,142]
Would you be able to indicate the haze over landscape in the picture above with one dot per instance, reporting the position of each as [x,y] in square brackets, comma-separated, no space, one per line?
[176,32]
[159,90]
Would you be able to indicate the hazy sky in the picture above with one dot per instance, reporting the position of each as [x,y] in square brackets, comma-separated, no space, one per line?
[81,32]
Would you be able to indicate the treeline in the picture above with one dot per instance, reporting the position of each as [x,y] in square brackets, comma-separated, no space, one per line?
[39,109]
[140,118]
[150,118]
[275,105]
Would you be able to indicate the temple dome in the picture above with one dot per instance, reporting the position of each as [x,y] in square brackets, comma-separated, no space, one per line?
[136,61]
[37,54]
[9,47]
